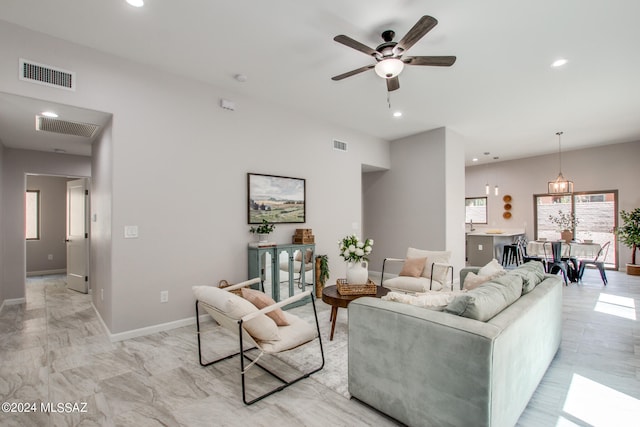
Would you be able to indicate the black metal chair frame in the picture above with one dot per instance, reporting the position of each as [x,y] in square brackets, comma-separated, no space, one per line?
[597,262]
[557,263]
[242,351]
[432,267]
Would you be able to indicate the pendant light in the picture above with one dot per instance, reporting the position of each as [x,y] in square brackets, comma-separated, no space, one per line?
[560,185]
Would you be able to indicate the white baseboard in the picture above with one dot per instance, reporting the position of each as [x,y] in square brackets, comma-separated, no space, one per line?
[134,333]
[46,272]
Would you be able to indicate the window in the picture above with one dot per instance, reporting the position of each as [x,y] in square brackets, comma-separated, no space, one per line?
[596,212]
[32,210]
[475,210]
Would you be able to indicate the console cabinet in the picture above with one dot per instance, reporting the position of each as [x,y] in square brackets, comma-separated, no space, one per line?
[282,268]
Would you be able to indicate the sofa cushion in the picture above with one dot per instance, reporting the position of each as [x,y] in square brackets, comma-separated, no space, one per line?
[262,300]
[413,267]
[439,273]
[487,300]
[261,328]
[532,274]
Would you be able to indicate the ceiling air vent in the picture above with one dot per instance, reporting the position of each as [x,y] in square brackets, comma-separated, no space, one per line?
[65,127]
[47,75]
[339,145]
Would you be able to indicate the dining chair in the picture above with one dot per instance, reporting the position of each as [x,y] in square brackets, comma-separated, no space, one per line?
[556,262]
[598,261]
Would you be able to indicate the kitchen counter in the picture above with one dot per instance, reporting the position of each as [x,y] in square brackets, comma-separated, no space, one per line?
[485,244]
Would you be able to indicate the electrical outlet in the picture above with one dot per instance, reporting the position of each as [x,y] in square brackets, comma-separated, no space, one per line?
[164,296]
[479,247]
[50,257]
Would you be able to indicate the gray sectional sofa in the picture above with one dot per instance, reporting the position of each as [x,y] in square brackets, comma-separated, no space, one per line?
[436,368]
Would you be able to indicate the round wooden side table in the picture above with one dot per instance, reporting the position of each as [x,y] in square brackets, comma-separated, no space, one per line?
[331,296]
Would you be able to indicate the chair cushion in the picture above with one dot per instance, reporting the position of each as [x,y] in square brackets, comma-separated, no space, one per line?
[487,300]
[413,267]
[444,257]
[409,284]
[295,334]
[262,300]
[261,328]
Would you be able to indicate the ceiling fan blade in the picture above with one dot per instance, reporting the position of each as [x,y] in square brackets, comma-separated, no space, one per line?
[352,72]
[438,61]
[348,41]
[393,84]
[422,27]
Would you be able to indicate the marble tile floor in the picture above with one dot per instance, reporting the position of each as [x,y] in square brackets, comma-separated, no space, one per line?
[53,349]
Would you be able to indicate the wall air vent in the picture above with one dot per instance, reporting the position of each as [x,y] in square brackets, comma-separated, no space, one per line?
[65,127]
[339,145]
[46,75]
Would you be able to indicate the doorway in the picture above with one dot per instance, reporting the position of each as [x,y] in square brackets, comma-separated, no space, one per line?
[48,226]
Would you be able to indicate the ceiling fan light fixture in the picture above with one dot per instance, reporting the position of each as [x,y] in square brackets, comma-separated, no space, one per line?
[389,68]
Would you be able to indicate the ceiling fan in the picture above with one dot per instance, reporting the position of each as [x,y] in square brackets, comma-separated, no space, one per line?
[388,56]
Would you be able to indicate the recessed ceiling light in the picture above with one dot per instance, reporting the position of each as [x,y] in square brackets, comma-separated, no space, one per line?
[559,62]
[240,77]
[49,114]
[475,159]
[136,3]
[397,114]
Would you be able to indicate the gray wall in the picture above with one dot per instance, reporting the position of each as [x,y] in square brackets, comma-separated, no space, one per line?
[2,291]
[177,169]
[610,167]
[53,193]
[16,165]
[411,204]
[101,188]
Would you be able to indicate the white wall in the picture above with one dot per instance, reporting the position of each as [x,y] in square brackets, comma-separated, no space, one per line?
[418,202]
[53,194]
[178,171]
[16,165]
[101,208]
[610,167]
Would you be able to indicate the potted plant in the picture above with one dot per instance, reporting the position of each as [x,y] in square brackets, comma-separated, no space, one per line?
[263,230]
[629,235]
[322,273]
[566,224]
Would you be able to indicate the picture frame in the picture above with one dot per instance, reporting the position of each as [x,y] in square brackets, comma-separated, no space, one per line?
[276,199]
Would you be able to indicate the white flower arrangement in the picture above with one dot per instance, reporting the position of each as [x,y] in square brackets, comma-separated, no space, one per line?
[352,249]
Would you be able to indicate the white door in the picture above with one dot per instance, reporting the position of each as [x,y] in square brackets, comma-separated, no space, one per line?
[78,235]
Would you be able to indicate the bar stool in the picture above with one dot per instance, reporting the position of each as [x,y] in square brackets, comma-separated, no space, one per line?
[510,255]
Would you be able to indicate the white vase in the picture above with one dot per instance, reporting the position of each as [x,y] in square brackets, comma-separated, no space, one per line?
[262,237]
[357,273]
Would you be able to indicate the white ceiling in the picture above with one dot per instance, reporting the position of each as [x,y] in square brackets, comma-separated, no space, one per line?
[501,95]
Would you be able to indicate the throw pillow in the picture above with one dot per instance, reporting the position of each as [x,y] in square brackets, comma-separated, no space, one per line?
[472,280]
[261,328]
[490,269]
[262,300]
[413,267]
[532,274]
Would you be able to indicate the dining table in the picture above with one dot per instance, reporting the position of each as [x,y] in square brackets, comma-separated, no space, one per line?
[571,252]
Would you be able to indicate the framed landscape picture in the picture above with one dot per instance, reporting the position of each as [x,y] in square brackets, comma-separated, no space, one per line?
[277,199]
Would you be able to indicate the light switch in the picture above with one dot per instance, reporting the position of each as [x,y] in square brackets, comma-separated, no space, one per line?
[479,247]
[130,231]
